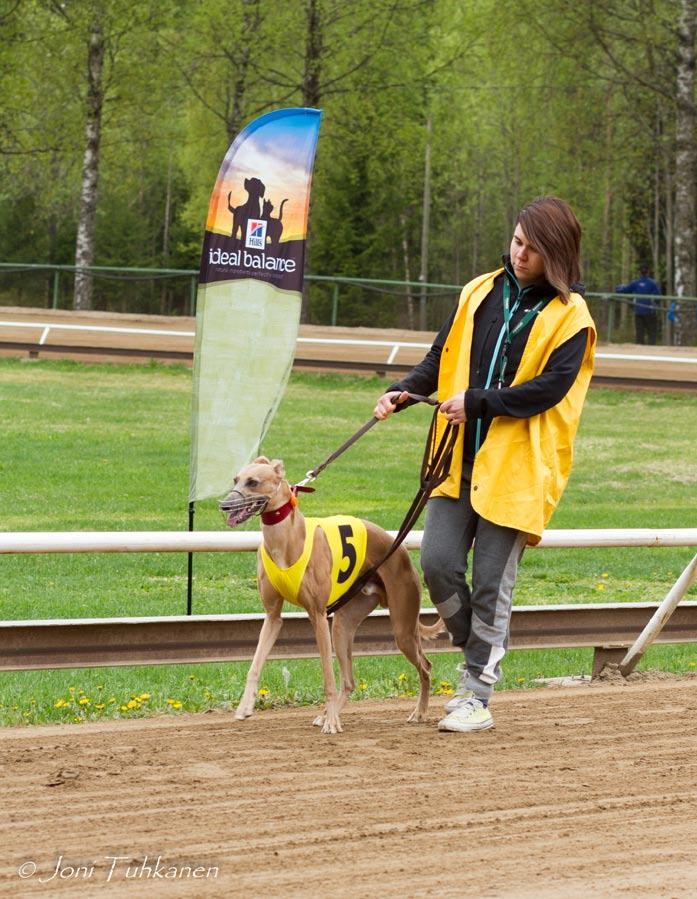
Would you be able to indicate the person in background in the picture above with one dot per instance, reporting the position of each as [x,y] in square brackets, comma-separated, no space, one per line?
[512,366]
[645,307]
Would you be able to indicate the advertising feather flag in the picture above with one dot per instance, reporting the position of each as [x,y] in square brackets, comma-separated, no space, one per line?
[249,293]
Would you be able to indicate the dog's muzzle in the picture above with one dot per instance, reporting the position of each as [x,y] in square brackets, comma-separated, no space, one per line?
[236,507]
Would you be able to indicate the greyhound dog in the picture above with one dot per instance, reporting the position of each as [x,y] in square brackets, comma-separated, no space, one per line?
[323,562]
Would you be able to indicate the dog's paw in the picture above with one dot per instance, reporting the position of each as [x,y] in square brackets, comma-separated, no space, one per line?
[319,721]
[416,717]
[332,726]
[241,713]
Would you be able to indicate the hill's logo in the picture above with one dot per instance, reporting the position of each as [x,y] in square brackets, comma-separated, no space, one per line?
[256,234]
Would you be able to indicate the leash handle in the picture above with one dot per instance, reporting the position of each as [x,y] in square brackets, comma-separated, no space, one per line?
[423,399]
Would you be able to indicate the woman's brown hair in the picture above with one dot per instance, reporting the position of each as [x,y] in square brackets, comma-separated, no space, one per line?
[554,231]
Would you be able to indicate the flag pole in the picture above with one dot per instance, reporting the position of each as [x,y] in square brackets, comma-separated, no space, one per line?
[190,569]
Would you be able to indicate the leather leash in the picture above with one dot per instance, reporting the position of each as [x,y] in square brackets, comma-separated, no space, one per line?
[311,475]
[434,470]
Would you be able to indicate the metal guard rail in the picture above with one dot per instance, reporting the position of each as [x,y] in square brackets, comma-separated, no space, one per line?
[24,645]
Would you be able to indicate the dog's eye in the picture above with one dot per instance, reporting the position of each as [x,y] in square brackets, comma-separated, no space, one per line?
[251,482]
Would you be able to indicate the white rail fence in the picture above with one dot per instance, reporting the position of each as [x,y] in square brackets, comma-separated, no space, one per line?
[392,346]
[97,642]
[246,541]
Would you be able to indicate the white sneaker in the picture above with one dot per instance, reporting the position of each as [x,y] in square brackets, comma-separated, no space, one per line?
[470,715]
[462,692]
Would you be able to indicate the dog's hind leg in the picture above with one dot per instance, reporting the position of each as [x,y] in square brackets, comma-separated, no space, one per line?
[409,644]
[346,622]
[404,602]
[270,630]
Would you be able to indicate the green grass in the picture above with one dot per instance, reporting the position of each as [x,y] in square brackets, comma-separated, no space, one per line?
[106,448]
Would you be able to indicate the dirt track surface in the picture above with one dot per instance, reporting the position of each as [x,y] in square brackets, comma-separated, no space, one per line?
[577,792]
[147,333]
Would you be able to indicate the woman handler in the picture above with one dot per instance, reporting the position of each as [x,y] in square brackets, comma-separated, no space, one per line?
[512,364]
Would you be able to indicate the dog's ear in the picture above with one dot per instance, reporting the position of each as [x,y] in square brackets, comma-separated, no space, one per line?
[260,460]
[278,467]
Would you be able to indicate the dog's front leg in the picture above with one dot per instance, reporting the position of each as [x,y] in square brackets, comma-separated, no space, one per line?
[270,630]
[331,723]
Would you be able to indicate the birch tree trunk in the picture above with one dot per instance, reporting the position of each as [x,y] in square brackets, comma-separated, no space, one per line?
[425,228]
[84,249]
[311,95]
[669,286]
[411,323]
[685,171]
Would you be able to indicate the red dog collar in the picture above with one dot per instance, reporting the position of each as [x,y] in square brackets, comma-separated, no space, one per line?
[280,513]
[277,515]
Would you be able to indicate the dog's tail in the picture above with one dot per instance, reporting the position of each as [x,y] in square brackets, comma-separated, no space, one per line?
[430,633]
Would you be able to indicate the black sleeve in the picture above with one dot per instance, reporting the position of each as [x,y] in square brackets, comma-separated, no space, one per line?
[423,378]
[536,395]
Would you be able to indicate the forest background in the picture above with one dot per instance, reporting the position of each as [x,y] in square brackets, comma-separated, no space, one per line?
[441,119]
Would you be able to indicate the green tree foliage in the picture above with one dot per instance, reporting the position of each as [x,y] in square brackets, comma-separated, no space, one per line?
[572,98]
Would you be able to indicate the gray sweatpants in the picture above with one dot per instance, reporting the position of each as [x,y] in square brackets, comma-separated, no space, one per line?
[478,618]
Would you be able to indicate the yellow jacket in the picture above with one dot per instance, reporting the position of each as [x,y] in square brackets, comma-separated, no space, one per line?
[347,538]
[522,467]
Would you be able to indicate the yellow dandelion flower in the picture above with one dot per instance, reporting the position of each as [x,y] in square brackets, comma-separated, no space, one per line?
[692,664]
[363,685]
[132,704]
[144,697]
[100,706]
[521,680]
[83,701]
[604,574]
[601,586]
[402,677]
[177,704]
[445,688]
[112,699]
[123,708]
[170,702]
[71,689]
[264,692]
[59,704]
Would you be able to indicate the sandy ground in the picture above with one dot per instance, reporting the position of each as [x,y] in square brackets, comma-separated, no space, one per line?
[654,362]
[577,792]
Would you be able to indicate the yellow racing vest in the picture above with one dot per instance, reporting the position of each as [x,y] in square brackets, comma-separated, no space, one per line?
[347,538]
[522,467]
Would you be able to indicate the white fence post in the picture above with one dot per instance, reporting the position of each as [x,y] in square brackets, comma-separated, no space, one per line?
[659,618]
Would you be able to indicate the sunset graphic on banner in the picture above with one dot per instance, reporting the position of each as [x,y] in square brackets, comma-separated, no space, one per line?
[249,294]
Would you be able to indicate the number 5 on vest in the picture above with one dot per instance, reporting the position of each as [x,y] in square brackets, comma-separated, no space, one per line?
[348,551]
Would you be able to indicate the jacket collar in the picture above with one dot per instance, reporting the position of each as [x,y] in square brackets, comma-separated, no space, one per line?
[540,290]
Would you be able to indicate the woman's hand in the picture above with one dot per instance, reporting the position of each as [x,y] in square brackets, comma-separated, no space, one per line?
[454,409]
[388,402]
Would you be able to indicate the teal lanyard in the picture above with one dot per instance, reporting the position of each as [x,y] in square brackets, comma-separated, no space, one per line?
[507,316]
[505,332]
